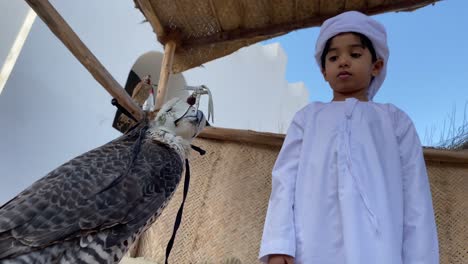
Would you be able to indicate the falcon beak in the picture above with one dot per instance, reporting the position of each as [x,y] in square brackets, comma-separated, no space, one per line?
[199,115]
[195,117]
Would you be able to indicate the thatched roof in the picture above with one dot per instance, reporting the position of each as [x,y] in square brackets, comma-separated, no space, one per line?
[209,29]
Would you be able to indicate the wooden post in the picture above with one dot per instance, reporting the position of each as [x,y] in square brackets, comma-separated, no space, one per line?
[63,31]
[166,67]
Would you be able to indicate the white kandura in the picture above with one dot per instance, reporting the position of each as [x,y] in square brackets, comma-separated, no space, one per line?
[350,186]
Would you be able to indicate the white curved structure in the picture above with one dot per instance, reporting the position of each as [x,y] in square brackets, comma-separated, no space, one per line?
[52,109]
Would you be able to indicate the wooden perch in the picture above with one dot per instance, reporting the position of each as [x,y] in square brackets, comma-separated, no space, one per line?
[63,31]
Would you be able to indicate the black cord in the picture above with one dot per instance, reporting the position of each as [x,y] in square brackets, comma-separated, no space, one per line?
[178,220]
[179,213]
[115,103]
[198,149]
[135,151]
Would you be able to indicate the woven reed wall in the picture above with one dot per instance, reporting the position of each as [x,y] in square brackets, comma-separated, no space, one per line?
[227,201]
[449,186]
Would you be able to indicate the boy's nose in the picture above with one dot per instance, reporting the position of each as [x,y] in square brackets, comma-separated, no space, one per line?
[343,61]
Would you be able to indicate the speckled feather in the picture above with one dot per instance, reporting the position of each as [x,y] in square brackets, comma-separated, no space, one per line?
[90,209]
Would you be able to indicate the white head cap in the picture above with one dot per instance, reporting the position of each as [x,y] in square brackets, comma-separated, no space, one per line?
[354,21]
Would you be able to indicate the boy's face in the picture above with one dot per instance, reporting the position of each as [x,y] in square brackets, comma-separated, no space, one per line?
[349,67]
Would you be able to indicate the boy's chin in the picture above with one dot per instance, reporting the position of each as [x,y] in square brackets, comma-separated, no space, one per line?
[348,90]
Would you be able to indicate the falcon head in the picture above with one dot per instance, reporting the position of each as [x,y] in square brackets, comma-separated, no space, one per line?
[177,124]
[180,119]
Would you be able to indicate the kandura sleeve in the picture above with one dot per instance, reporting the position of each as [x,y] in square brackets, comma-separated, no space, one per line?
[279,233]
[420,244]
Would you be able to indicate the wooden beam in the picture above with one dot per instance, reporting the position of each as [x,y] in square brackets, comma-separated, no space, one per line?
[243,136]
[147,9]
[446,156]
[166,67]
[276,140]
[63,31]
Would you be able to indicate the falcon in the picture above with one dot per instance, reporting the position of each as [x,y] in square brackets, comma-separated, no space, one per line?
[92,208]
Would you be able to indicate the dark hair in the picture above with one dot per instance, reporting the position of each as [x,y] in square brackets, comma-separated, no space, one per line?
[365,41]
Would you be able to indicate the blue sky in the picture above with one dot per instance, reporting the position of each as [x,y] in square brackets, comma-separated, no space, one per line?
[427,73]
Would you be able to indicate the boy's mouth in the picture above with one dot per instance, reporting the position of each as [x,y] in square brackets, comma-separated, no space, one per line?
[344,75]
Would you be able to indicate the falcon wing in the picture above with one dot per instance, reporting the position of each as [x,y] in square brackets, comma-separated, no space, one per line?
[92,192]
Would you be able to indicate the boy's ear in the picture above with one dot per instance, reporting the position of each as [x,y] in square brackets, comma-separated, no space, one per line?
[377,67]
[324,73]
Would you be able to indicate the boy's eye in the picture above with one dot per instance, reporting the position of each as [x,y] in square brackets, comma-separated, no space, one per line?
[332,58]
[356,55]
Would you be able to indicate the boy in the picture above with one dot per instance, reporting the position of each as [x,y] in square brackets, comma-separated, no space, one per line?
[350,184]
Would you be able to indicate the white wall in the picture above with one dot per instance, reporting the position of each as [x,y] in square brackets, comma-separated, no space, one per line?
[15,24]
[13,15]
[52,110]
[250,90]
